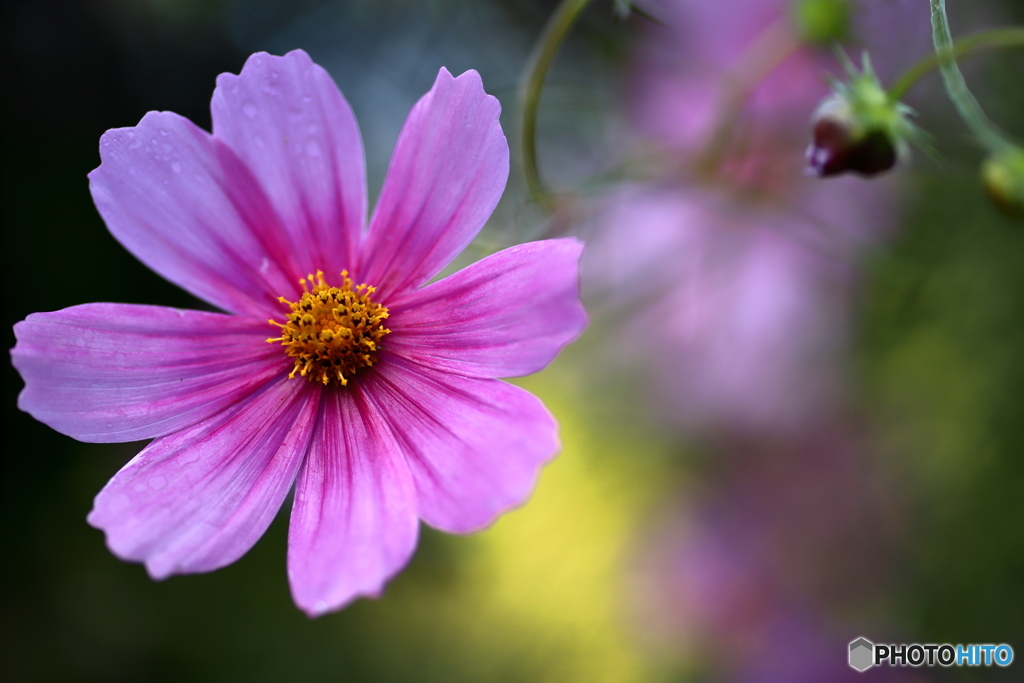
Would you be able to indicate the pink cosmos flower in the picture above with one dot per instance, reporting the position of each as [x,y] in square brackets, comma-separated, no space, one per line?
[379,402]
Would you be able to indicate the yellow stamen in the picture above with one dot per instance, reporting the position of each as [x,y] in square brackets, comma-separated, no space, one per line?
[330,329]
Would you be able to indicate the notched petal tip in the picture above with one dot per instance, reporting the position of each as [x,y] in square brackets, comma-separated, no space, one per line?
[261,65]
[167,195]
[353,525]
[198,499]
[119,547]
[470,84]
[287,121]
[447,173]
[317,608]
[260,59]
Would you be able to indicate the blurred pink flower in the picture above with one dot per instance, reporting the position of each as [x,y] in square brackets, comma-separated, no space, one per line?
[381,427]
[749,300]
[742,273]
[676,85]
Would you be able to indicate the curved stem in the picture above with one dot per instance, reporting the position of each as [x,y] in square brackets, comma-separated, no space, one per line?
[544,52]
[968,45]
[956,87]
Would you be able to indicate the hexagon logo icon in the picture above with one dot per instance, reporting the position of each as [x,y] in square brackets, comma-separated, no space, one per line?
[862,654]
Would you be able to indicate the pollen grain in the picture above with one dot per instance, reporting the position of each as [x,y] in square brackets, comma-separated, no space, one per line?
[332,332]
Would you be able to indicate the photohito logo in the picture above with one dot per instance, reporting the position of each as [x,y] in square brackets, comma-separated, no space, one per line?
[864,654]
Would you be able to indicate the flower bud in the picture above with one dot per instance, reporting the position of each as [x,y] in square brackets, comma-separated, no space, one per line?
[858,128]
[1003,177]
[821,21]
[841,143]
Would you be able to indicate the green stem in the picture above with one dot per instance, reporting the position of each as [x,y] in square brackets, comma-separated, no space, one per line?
[540,59]
[956,87]
[968,45]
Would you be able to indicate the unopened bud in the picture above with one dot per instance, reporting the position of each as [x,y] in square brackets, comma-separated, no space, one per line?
[841,143]
[821,21]
[1003,177]
[858,128]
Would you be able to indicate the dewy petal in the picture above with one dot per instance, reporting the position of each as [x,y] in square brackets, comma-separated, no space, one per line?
[289,123]
[354,522]
[506,315]
[199,499]
[446,176]
[475,446]
[118,372]
[184,205]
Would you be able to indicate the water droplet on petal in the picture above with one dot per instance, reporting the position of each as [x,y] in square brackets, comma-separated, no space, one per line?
[176,167]
[313,148]
[250,109]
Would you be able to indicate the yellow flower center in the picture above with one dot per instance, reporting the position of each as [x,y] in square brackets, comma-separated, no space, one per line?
[332,332]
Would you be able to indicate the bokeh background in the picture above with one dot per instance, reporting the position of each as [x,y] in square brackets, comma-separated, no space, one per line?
[746,485]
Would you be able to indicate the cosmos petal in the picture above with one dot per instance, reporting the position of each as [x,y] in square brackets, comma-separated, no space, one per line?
[447,173]
[119,372]
[354,522]
[200,498]
[504,316]
[184,205]
[475,446]
[287,121]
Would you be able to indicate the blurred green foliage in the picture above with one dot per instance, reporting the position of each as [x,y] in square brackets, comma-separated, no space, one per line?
[943,341]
